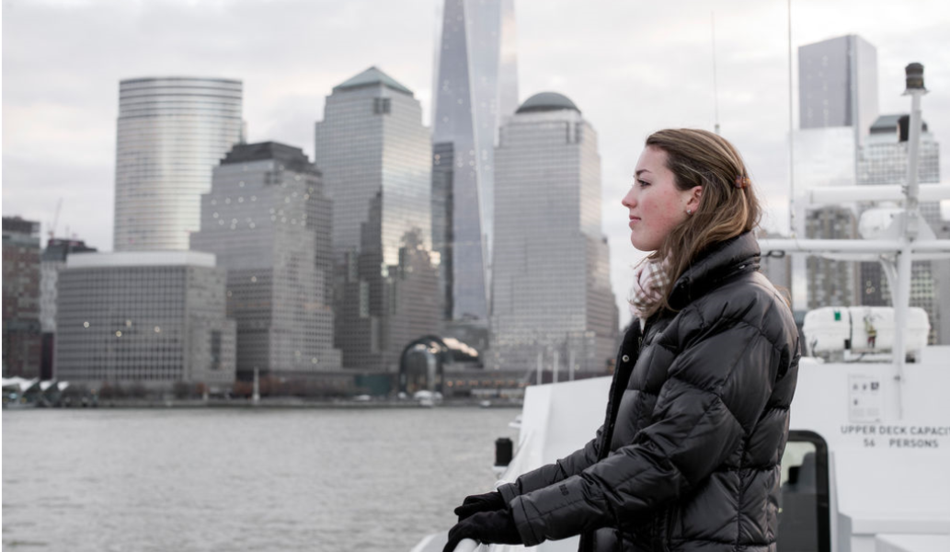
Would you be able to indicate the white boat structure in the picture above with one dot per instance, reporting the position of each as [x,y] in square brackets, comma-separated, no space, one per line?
[22,392]
[867,465]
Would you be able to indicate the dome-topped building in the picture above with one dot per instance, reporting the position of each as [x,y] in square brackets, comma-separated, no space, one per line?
[551,294]
[547,101]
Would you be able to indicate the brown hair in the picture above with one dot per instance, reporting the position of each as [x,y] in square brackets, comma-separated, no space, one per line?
[728,206]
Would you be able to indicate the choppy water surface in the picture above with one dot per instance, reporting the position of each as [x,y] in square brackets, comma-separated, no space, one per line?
[241,479]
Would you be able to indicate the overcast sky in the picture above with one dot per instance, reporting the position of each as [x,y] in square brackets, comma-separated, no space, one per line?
[632,67]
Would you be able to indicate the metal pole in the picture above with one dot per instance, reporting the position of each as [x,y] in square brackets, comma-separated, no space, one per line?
[915,89]
[540,367]
[570,370]
[557,358]
[791,128]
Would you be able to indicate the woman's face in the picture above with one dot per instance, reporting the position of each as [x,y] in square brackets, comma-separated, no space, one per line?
[656,205]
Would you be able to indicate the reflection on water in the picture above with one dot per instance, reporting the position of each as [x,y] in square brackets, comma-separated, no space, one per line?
[241,479]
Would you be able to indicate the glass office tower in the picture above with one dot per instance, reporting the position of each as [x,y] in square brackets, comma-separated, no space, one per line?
[475,88]
[552,289]
[374,154]
[838,84]
[372,140]
[171,132]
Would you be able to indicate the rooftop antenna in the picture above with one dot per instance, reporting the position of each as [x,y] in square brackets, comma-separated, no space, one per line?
[715,80]
[791,128]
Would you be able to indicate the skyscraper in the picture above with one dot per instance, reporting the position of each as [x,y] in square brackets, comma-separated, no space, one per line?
[838,84]
[372,140]
[171,132]
[21,297]
[837,105]
[551,288]
[475,88]
[883,160]
[267,220]
[374,154]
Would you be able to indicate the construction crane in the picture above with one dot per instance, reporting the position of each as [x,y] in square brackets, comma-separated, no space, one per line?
[52,228]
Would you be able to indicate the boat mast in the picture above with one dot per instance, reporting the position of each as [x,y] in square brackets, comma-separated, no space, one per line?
[911,228]
[791,136]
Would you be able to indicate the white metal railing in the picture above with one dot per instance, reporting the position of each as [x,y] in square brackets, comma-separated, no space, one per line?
[851,246]
[833,195]
[468,545]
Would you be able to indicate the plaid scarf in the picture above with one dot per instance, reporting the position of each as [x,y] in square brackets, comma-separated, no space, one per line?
[650,280]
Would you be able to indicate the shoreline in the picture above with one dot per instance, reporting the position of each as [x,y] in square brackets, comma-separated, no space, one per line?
[274,403]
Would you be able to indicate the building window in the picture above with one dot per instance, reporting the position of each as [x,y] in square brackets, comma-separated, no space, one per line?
[215,350]
[381,106]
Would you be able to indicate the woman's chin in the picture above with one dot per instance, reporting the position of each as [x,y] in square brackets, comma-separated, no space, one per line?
[639,245]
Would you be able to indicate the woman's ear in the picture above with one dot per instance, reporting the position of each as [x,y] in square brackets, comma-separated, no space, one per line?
[695,195]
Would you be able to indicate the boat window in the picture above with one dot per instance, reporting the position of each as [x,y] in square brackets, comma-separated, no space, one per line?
[804,516]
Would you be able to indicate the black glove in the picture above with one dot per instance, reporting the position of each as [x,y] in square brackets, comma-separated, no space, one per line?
[485,527]
[480,503]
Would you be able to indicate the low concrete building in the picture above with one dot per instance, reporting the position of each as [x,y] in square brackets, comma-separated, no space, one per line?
[153,318]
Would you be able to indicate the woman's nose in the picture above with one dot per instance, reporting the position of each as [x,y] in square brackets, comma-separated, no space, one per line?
[628,200]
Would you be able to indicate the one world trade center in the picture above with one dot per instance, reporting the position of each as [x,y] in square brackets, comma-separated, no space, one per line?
[475,87]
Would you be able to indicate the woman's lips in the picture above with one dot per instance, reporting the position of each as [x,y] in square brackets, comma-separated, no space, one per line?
[633,220]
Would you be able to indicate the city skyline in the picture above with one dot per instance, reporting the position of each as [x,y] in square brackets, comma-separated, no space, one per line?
[658,57]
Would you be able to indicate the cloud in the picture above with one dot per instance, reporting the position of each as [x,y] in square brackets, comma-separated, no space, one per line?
[631,67]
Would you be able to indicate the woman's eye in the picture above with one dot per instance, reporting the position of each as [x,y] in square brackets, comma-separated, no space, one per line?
[643,183]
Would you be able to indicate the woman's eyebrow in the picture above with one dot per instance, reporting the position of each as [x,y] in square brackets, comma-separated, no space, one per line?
[637,174]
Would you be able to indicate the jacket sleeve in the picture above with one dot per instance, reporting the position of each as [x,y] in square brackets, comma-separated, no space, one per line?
[715,392]
[549,474]
[584,457]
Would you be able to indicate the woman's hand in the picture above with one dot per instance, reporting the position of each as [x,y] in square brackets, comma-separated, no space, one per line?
[487,502]
[485,527]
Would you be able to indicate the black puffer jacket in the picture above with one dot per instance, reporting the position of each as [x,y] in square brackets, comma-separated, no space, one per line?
[697,419]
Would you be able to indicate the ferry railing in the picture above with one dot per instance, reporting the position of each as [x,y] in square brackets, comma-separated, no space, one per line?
[833,195]
[468,545]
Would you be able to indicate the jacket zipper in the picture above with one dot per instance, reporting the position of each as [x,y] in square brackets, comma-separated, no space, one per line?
[668,537]
[618,532]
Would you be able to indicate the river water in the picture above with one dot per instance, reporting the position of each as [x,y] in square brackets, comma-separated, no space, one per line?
[242,478]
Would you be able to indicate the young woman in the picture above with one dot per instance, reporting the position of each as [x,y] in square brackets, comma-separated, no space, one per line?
[697,417]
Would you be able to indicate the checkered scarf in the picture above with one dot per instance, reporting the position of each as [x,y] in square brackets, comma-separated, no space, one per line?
[650,280]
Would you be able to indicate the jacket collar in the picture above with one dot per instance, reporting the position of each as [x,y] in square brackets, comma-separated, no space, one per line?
[711,268]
